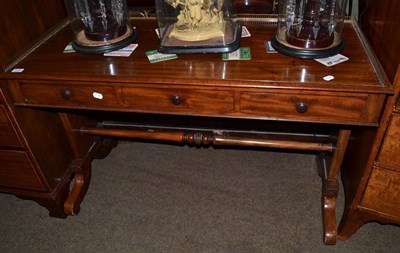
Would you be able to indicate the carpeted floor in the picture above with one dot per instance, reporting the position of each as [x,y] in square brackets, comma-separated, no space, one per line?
[160,198]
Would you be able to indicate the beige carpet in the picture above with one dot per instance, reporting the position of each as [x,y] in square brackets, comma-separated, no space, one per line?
[161,198]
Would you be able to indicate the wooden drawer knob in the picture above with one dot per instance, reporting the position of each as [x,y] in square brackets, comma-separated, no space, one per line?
[176,100]
[66,94]
[301,107]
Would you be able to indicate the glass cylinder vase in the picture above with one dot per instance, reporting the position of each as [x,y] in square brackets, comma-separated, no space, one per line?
[310,28]
[99,26]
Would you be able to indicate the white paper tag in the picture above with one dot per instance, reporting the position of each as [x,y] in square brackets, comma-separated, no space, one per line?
[333,60]
[269,47]
[245,32]
[97,95]
[123,52]
[69,48]
[17,70]
[329,78]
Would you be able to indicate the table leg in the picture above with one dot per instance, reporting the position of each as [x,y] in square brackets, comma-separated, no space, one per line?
[331,187]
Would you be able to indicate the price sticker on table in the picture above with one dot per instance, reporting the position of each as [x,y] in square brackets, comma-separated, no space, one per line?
[154,56]
[242,53]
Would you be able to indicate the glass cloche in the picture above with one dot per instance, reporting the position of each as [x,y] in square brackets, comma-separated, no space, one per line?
[310,28]
[197,26]
[99,26]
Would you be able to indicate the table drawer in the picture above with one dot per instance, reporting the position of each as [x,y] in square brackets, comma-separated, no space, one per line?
[382,193]
[17,172]
[179,100]
[390,150]
[304,106]
[8,137]
[65,95]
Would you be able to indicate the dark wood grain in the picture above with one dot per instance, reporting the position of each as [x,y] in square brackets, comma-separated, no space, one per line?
[22,22]
[390,150]
[264,70]
[381,24]
[8,137]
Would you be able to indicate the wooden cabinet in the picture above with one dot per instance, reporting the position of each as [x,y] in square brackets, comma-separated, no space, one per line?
[27,168]
[376,194]
[16,170]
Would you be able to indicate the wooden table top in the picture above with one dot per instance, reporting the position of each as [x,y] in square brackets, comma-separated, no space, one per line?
[264,70]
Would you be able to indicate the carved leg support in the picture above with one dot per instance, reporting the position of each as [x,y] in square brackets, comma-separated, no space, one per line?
[80,181]
[331,188]
[78,192]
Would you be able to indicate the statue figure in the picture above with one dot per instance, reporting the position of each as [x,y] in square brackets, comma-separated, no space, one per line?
[197,20]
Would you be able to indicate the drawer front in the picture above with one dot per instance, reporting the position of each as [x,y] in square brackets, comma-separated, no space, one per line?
[383,192]
[398,104]
[16,171]
[8,137]
[179,100]
[304,106]
[69,95]
[390,150]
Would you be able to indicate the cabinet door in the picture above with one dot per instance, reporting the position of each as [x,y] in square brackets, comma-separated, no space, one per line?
[390,151]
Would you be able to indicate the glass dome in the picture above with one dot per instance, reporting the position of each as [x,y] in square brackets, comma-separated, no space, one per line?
[197,26]
[99,26]
[310,28]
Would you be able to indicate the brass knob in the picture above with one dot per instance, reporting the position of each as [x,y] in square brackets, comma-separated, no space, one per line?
[176,100]
[301,107]
[66,94]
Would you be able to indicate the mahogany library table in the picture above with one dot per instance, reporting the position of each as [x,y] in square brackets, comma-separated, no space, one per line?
[67,109]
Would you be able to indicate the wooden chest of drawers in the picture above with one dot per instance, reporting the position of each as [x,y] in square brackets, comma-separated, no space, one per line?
[375,196]
[16,170]
[27,168]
